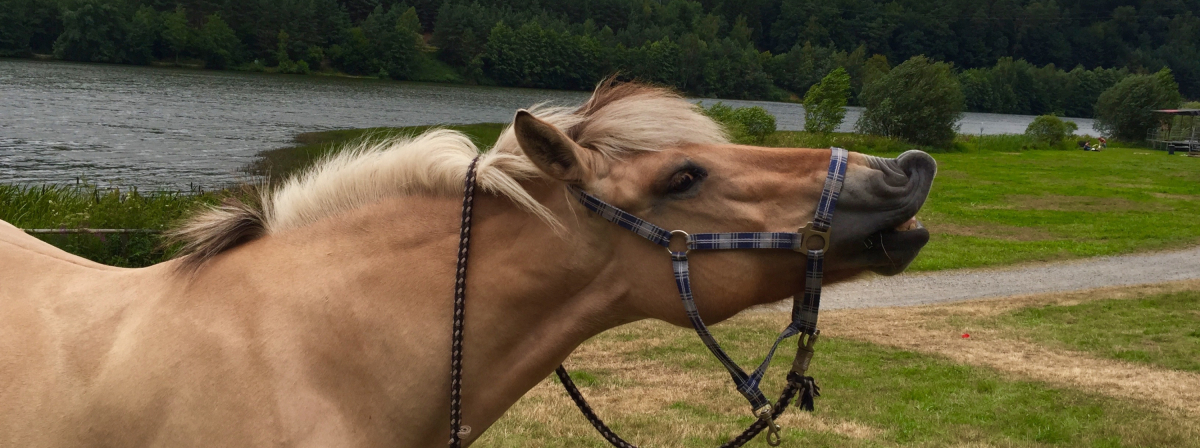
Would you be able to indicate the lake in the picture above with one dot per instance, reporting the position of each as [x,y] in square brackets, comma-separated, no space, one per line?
[160,128]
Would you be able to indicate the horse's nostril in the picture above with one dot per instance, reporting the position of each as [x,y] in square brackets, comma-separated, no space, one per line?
[916,162]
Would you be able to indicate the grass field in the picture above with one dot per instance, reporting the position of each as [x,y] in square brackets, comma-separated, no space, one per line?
[1161,330]
[658,386]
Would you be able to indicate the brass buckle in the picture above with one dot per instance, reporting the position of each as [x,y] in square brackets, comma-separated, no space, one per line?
[774,431]
[807,233]
[804,352]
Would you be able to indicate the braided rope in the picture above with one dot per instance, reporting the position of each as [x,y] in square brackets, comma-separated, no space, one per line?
[795,382]
[460,302]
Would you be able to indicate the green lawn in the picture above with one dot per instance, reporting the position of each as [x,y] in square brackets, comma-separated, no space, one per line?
[887,396]
[1161,330]
[994,208]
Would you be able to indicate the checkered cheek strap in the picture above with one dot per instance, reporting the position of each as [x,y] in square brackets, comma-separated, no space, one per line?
[804,313]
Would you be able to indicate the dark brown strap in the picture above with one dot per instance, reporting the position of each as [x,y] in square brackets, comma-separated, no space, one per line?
[460,301]
[795,382]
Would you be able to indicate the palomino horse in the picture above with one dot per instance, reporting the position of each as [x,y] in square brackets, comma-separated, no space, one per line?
[320,316]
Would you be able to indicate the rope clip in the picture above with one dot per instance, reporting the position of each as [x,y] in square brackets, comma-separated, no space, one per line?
[774,431]
[804,352]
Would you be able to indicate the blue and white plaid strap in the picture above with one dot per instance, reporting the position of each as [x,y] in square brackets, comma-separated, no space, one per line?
[804,313]
[747,384]
[655,234]
[838,159]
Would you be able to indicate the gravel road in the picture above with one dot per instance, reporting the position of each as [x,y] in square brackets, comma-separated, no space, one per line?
[966,284]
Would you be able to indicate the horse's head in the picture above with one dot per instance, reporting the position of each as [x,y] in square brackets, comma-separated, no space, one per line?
[734,188]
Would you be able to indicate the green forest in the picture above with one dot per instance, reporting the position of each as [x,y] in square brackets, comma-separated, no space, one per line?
[1009,56]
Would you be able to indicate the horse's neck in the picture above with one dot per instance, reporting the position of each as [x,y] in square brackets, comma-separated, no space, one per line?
[387,271]
[532,298]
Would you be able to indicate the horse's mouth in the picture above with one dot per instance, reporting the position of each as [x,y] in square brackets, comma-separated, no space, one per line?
[895,247]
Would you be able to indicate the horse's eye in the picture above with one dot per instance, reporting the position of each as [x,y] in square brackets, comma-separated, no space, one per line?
[683,180]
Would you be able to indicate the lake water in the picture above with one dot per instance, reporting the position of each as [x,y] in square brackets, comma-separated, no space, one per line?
[157,128]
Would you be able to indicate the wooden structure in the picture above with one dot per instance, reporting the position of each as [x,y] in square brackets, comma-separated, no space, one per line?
[1180,131]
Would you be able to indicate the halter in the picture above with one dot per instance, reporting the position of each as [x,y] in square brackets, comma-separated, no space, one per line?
[812,239]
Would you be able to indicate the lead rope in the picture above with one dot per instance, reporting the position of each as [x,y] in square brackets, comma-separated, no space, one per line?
[457,430]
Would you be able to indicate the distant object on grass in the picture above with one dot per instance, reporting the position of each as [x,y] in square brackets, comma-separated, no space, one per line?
[1179,130]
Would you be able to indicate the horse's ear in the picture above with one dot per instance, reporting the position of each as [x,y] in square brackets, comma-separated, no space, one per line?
[550,149]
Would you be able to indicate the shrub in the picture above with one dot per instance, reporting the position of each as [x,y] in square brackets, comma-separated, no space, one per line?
[1125,110]
[1049,130]
[757,122]
[825,102]
[919,101]
[744,124]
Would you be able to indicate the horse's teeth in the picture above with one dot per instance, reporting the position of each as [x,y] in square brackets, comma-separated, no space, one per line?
[908,225]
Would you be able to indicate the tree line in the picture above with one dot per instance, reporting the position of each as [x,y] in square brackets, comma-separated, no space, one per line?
[1009,56]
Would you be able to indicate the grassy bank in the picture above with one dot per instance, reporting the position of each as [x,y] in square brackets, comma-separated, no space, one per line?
[67,207]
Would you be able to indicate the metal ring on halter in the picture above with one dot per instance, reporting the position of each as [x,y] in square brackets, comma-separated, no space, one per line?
[687,239]
[807,232]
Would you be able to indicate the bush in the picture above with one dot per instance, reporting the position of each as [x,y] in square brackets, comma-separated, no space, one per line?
[744,124]
[825,102]
[1049,130]
[919,101]
[757,122]
[1125,110]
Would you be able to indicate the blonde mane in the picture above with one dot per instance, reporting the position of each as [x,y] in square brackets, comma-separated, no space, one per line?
[616,120]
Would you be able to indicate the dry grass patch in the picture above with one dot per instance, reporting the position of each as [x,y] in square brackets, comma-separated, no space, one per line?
[651,402]
[938,329]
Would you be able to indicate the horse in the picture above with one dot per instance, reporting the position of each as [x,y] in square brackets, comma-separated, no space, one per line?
[318,313]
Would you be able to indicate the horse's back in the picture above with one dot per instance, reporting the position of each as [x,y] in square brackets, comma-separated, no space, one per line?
[18,248]
[50,301]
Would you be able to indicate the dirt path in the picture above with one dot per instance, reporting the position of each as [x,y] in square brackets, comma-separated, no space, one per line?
[965,284]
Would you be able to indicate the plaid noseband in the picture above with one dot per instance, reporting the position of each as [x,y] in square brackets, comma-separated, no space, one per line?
[812,239]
